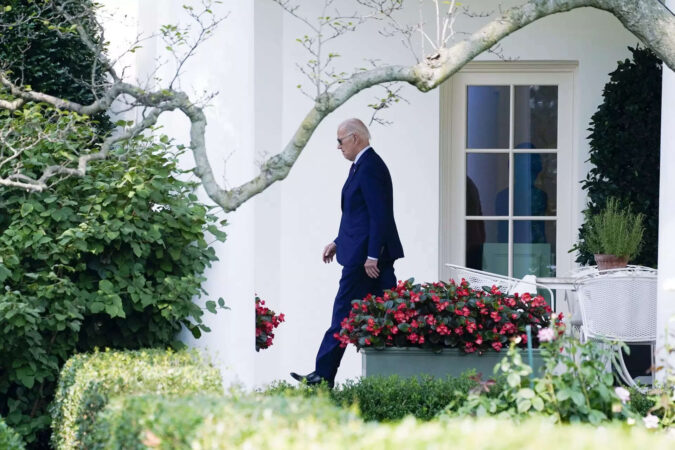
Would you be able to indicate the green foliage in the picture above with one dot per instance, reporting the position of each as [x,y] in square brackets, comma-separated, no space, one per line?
[89,381]
[296,422]
[112,259]
[624,140]
[155,421]
[615,231]
[641,403]
[37,56]
[393,398]
[390,398]
[574,387]
[9,439]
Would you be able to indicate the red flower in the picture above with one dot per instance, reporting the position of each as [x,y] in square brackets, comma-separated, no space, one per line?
[497,346]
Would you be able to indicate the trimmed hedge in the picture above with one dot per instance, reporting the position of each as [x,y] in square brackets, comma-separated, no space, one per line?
[156,421]
[389,398]
[280,422]
[89,381]
[9,439]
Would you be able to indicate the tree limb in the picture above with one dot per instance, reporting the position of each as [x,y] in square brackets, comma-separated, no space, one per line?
[649,20]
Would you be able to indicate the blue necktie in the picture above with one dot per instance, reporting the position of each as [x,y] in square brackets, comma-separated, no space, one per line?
[352,170]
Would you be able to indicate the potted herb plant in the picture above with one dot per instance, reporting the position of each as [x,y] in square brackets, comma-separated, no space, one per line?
[614,236]
[440,328]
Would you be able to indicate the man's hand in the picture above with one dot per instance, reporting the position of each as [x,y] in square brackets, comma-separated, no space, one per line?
[329,252]
[371,268]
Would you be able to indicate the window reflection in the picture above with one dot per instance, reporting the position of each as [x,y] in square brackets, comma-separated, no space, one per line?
[534,184]
[485,250]
[534,248]
[487,124]
[535,117]
[487,184]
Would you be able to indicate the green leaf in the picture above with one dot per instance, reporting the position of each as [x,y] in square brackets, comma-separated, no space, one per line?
[211,306]
[578,398]
[26,209]
[538,404]
[523,405]
[526,393]
[563,395]
[513,379]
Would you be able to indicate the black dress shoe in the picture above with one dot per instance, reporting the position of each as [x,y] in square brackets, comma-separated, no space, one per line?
[313,379]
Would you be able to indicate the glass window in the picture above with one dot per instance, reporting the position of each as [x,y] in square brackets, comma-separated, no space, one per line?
[535,117]
[486,247]
[534,248]
[487,184]
[534,184]
[487,124]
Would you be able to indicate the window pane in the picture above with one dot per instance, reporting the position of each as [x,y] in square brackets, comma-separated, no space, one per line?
[535,117]
[487,117]
[487,184]
[487,245]
[534,248]
[534,184]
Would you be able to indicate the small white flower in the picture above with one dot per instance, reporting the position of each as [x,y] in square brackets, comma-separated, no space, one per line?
[651,421]
[623,394]
[630,421]
[546,335]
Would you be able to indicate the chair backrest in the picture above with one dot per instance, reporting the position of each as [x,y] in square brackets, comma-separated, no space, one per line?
[619,305]
[478,279]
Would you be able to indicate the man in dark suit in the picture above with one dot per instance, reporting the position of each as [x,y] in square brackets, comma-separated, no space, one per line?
[367,243]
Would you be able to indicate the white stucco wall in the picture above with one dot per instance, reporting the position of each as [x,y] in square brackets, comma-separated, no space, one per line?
[666,281]
[276,239]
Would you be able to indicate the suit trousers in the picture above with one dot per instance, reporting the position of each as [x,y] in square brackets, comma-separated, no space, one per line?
[354,284]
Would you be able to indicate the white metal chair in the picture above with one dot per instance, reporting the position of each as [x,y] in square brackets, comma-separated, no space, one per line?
[619,305]
[508,285]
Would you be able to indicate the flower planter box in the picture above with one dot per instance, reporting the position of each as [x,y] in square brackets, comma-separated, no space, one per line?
[411,361]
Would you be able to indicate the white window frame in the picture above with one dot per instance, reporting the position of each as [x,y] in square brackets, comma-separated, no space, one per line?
[452,226]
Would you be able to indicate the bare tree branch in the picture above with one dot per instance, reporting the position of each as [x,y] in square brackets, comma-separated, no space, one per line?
[649,20]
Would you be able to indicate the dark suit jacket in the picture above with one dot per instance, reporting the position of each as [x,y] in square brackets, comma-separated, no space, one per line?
[367,227]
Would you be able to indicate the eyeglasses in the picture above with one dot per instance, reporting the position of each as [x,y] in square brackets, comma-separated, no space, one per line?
[343,138]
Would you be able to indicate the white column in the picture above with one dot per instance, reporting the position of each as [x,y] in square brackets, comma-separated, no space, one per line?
[665,314]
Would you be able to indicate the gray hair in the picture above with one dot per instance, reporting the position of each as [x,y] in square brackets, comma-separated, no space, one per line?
[357,127]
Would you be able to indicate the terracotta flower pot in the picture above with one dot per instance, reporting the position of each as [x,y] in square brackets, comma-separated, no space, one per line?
[605,262]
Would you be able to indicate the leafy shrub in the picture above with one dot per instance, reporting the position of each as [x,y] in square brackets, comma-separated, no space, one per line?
[574,387]
[9,439]
[89,381]
[615,231]
[156,421]
[389,398]
[625,149]
[641,403]
[393,398]
[440,315]
[112,259]
[284,423]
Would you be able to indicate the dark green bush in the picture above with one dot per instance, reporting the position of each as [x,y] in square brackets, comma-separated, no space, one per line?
[625,146]
[393,398]
[112,259]
[9,439]
[88,382]
[60,64]
[641,403]
[389,398]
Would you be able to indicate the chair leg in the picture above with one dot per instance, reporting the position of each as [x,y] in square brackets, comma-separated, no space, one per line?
[623,370]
